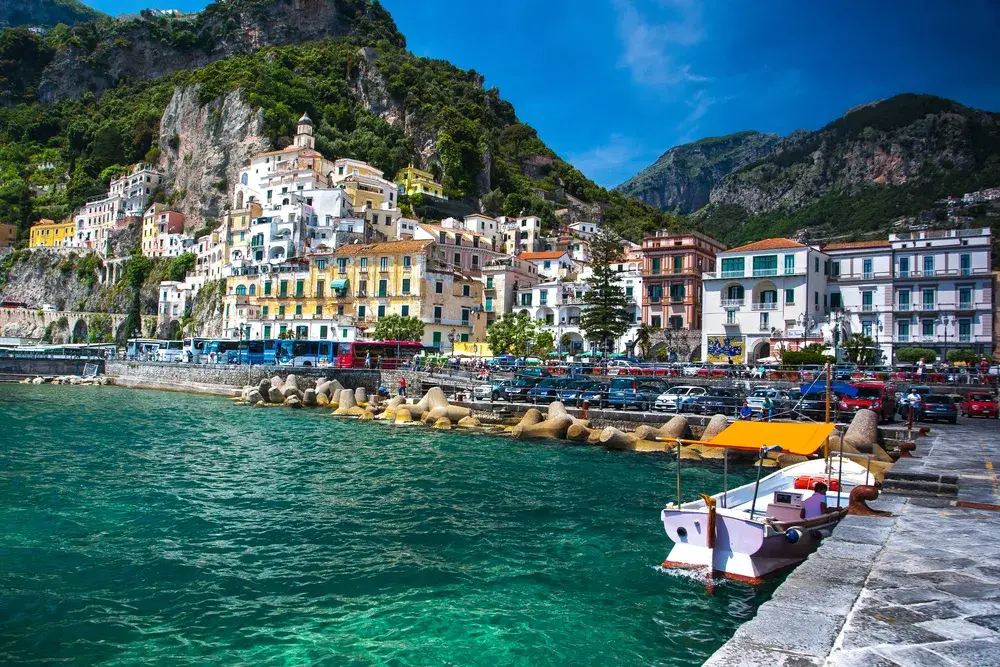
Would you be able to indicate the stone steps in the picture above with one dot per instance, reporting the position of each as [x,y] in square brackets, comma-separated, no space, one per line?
[920,484]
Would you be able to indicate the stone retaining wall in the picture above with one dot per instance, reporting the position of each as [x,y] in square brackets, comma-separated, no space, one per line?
[131,372]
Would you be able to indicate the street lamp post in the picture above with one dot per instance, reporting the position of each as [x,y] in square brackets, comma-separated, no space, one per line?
[946,321]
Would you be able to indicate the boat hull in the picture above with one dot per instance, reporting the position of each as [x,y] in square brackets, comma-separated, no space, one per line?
[745,550]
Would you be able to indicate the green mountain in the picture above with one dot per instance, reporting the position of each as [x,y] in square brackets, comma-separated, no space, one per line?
[856,176]
[682,179]
[45,13]
[193,93]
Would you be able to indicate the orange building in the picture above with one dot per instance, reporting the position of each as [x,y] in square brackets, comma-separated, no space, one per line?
[672,265]
[8,234]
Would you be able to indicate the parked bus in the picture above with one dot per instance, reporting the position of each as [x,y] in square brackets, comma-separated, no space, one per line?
[385,354]
[193,349]
[222,351]
[170,351]
[143,348]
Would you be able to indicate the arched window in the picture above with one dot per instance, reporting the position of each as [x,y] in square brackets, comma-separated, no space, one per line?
[734,292]
[241,290]
[253,290]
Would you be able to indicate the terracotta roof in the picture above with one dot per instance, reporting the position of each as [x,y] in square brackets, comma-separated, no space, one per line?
[548,254]
[384,248]
[768,244]
[857,244]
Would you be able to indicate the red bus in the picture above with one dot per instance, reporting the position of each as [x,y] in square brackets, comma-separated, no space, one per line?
[386,354]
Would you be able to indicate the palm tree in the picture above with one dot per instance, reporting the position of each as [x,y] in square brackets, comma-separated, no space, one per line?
[644,338]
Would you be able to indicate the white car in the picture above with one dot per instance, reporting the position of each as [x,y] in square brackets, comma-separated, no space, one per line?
[691,370]
[668,400]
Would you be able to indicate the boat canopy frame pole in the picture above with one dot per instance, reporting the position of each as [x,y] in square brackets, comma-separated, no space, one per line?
[678,473]
[725,478]
[756,486]
[840,472]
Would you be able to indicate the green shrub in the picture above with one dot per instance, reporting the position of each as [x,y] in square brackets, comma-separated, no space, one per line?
[911,355]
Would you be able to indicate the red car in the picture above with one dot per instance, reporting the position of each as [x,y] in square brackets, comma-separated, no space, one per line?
[877,396]
[978,404]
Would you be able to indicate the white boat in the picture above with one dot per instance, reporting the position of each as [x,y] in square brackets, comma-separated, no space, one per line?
[755,531]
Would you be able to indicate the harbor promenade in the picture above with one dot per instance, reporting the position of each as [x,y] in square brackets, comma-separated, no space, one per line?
[918,588]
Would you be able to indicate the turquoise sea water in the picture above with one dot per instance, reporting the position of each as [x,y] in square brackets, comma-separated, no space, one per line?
[147,528]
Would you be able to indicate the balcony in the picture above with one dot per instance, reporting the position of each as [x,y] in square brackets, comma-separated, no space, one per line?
[905,307]
[733,303]
[732,274]
[764,273]
[764,326]
[965,305]
[964,338]
[868,308]
[928,307]
[902,338]
[765,305]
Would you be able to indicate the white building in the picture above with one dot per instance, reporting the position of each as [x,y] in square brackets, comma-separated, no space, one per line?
[127,197]
[766,298]
[929,289]
[553,264]
[522,234]
[585,230]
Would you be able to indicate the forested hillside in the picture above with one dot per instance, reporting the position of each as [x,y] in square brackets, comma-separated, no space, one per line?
[45,13]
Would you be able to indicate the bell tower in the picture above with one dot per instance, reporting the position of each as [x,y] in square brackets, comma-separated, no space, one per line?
[304,134]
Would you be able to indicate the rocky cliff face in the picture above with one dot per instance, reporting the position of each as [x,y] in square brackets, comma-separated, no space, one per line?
[203,148]
[683,178]
[909,138]
[44,13]
[148,46]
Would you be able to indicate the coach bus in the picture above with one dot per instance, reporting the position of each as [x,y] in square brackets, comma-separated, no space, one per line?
[382,354]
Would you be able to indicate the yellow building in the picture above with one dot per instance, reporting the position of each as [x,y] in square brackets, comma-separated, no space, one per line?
[49,234]
[339,295]
[417,181]
[365,185]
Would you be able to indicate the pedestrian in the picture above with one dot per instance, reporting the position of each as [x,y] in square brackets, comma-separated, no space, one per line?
[378,361]
[746,413]
[402,386]
[767,408]
[368,359]
[920,368]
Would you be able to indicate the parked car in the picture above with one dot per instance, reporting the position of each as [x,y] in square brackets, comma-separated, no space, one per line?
[534,371]
[492,391]
[635,392]
[937,407]
[782,402]
[876,396]
[670,400]
[547,390]
[518,390]
[979,404]
[691,370]
[813,406]
[570,392]
[716,400]
[844,372]
[921,390]
[596,394]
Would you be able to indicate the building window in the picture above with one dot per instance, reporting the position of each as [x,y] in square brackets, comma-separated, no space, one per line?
[437,313]
[489,282]
[320,287]
[466,290]
[676,322]
[340,310]
[263,310]
[656,321]
[383,288]
[319,311]
[267,331]
[364,263]
[407,261]
[965,331]
[835,301]
[867,300]
[298,309]
[965,264]
[677,292]
[929,265]
[628,291]
[816,299]
[815,264]
[406,285]
[489,304]
[765,265]
[526,298]
[866,328]
[383,263]
[436,339]
[678,264]
[764,321]
[281,311]
[300,286]
[928,327]
[241,290]
[404,311]
[789,296]
[320,264]
[323,331]
[342,265]
[361,312]
[789,263]
[439,287]
[835,269]
[866,270]
[928,299]
[904,300]
[965,298]
[730,317]
[656,266]
[381,312]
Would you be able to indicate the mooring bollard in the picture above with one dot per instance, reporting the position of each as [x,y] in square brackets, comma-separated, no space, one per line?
[584,409]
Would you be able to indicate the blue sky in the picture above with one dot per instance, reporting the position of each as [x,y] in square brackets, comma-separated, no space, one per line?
[611,84]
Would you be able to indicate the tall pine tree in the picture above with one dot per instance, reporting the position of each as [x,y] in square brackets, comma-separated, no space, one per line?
[606,318]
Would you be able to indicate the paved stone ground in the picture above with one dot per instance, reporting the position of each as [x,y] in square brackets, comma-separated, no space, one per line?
[918,589]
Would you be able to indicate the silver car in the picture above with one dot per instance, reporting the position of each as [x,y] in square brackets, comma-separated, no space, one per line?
[782,401]
[668,400]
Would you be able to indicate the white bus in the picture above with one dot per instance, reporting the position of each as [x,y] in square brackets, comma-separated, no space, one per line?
[170,351]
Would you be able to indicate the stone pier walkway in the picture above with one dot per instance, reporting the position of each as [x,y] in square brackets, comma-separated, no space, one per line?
[920,588]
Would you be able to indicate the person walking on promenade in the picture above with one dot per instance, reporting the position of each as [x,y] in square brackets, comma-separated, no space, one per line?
[368,359]
[402,386]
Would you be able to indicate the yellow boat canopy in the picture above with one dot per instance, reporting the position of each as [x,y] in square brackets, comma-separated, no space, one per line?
[804,439]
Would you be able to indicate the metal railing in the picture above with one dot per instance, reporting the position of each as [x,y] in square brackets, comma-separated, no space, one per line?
[765,305]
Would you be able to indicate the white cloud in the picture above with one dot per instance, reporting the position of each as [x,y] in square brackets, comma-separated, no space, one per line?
[648,48]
